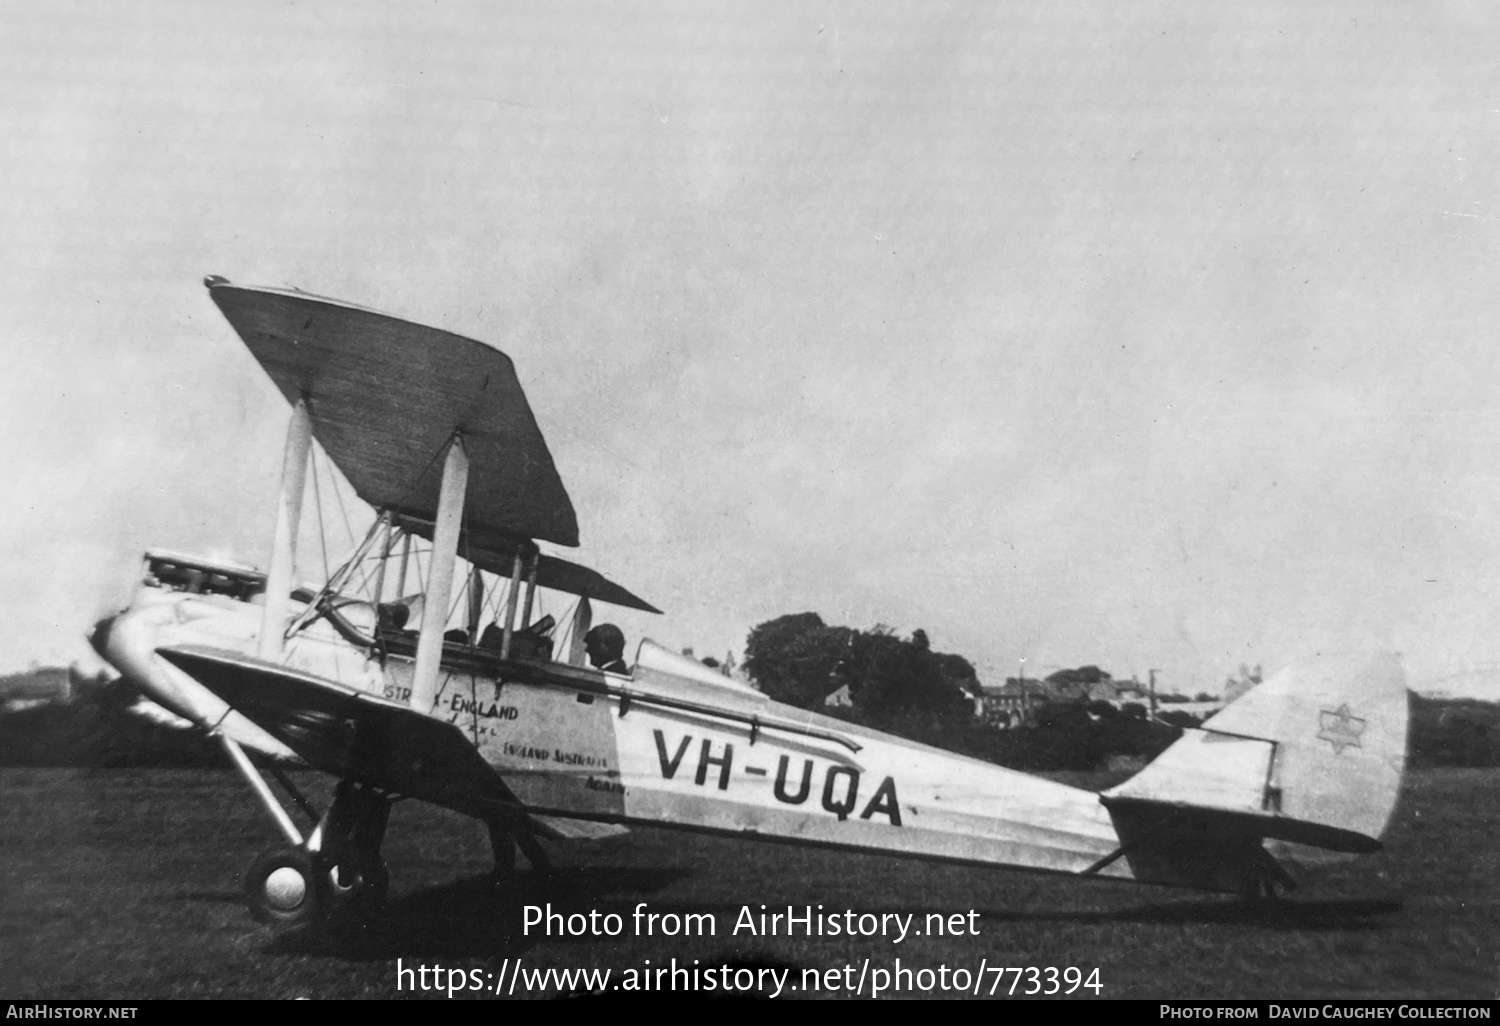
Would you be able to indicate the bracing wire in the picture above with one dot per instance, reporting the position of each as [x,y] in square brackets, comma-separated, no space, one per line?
[338,495]
[337,581]
[369,572]
[567,632]
[458,600]
[491,611]
[463,532]
[366,573]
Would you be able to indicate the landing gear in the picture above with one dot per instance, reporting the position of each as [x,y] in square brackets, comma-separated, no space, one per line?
[281,887]
[359,883]
[348,839]
[505,839]
[338,869]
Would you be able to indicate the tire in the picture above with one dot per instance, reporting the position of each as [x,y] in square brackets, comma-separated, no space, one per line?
[361,884]
[281,887]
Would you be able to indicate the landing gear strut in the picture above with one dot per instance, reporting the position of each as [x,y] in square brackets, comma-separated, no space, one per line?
[505,838]
[338,867]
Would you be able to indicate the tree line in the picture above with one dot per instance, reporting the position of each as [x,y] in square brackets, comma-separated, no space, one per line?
[800,660]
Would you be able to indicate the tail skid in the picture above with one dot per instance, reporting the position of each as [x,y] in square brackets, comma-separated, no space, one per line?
[1314,756]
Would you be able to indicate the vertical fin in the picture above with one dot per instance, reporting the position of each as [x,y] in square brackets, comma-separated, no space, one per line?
[1313,755]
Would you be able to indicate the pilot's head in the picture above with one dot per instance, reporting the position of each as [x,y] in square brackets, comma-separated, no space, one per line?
[604,644]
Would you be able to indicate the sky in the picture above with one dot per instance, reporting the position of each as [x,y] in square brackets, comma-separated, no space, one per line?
[1136,334]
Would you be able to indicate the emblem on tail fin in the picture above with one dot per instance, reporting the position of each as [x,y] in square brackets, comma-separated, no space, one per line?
[1340,729]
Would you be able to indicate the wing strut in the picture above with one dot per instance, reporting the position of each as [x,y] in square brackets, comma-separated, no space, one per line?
[385,557]
[440,575]
[284,540]
[510,608]
[583,618]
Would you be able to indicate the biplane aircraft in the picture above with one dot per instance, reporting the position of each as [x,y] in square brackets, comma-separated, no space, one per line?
[433,431]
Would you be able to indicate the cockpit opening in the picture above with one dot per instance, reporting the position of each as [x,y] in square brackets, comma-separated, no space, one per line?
[533,642]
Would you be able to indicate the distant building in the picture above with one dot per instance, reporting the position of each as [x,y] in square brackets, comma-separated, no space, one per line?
[1131,691]
[1079,693]
[1011,704]
[1018,700]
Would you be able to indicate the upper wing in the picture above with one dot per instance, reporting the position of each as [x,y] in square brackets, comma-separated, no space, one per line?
[385,396]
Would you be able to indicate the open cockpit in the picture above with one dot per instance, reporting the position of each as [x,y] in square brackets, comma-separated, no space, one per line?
[377,601]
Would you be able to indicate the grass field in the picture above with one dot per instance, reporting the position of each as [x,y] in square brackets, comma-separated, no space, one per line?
[126,884]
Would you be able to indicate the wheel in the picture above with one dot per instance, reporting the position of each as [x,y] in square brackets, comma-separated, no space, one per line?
[282,888]
[359,882]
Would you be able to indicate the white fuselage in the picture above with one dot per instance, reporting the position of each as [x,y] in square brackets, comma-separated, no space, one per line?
[158,617]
